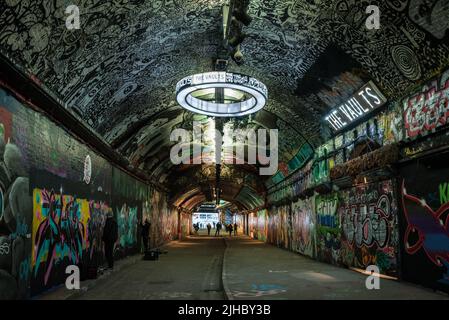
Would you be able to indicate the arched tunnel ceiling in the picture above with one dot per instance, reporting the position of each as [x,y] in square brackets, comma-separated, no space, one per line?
[119,71]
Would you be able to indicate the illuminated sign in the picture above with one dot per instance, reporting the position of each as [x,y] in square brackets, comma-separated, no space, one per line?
[364,101]
[241,94]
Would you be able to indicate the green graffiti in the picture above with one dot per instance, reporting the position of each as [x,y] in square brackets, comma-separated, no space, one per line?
[444,193]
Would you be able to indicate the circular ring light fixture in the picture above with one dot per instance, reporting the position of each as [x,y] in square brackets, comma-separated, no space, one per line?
[221,94]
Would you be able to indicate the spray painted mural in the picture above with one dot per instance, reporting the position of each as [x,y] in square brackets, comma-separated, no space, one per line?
[303,227]
[186,220]
[328,231]
[15,213]
[54,196]
[262,225]
[368,215]
[428,109]
[425,222]
[279,226]
[127,217]
[66,231]
[164,221]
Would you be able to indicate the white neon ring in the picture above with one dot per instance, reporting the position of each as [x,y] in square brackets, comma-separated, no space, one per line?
[213,80]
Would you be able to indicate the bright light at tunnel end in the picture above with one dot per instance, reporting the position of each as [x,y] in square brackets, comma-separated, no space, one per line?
[256,94]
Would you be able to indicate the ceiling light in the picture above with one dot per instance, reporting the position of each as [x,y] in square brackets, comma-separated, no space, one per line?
[221,94]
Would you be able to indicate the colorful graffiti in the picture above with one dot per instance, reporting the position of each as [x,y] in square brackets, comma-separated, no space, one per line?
[279,227]
[429,109]
[328,231]
[66,230]
[369,224]
[127,226]
[431,230]
[164,221]
[15,213]
[303,227]
[262,225]
[95,223]
[58,231]
[425,223]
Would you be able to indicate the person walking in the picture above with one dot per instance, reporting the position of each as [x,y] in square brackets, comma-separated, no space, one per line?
[230,229]
[218,228]
[145,233]
[197,227]
[235,228]
[110,236]
[208,229]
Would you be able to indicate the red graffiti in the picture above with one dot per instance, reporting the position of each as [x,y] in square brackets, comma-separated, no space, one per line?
[428,109]
[427,226]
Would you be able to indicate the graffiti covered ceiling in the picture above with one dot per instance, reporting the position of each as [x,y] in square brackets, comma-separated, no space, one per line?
[118,72]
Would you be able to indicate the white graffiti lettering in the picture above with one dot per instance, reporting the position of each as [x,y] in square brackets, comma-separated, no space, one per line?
[4,248]
[367,224]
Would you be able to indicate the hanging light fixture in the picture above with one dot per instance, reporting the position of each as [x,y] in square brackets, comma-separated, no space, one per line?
[221,94]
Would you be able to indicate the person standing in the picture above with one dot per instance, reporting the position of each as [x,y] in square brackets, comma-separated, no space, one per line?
[146,234]
[230,229]
[218,228]
[235,228]
[110,236]
[208,229]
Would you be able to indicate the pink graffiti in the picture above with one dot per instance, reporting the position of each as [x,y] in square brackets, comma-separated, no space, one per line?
[428,109]
[429,228]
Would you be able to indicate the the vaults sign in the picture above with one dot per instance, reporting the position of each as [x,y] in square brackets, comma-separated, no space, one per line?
[364,101]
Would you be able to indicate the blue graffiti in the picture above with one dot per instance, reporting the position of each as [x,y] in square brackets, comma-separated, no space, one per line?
[24,269]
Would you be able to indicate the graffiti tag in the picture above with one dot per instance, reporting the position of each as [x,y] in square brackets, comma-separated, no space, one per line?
[367,224]
[429,109]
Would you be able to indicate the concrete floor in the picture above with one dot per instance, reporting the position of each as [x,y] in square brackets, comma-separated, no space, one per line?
[255,270]
[204,267]
[190,270]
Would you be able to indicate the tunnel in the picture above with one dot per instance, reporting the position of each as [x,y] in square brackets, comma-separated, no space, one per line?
[224,150]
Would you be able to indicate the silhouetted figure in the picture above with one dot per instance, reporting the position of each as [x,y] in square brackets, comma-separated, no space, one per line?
[208,229]
[230,230]
[235,229]
[218,228]
[146,234]
[196,227]
[110,236]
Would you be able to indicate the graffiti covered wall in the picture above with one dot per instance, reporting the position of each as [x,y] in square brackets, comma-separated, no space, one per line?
[369,225]
[262,225]
[54,195]
[304,227]
[279,226]
[425,222]
[15,210]
[428,109]
[66,231]
[164,221]
[328,231]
